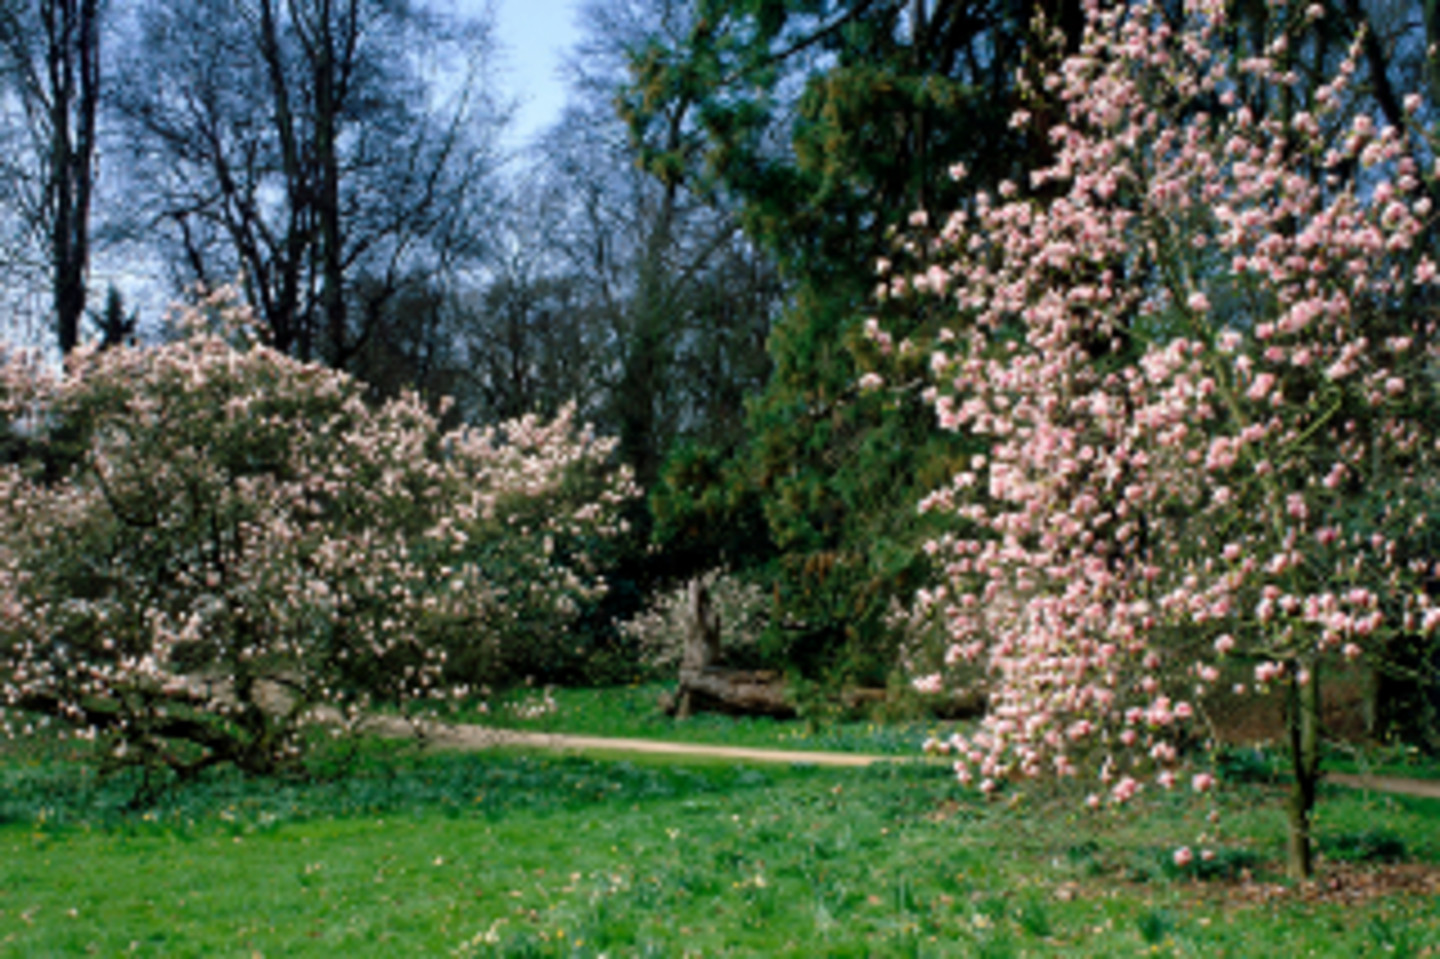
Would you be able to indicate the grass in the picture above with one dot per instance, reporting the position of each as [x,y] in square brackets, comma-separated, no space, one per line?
[1388,760]
[632,712]
[1269,763]
[528,854]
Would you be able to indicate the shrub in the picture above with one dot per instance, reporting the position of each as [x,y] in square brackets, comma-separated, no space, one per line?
[208,541]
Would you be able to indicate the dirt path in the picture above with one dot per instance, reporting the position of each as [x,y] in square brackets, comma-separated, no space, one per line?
[485,737]
[1427,788]
[467,737]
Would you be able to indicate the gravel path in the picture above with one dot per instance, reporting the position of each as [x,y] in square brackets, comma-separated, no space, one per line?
[468,737]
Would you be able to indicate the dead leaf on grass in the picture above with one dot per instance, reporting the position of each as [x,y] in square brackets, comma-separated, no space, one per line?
[1337,883]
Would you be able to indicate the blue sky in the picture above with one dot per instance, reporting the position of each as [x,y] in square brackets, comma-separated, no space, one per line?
[535,35]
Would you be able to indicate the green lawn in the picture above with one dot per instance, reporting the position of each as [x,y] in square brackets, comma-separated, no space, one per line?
[531,854]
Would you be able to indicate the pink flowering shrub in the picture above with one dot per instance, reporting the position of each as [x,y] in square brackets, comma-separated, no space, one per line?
[1202,343]
[228,544]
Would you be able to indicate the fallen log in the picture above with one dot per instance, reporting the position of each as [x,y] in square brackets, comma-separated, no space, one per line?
[735,692]
[706,686]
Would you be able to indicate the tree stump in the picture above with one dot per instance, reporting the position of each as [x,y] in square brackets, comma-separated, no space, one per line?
[704,685]
[702,643]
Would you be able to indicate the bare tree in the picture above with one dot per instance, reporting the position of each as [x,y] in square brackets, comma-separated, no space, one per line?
[328,151]
[678,300]
[530,341]
[50,59]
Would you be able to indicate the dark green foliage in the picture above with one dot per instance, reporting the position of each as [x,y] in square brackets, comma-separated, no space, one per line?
[1085,858]
[704,510]
[1406,693]
[114,323]
[1034,917]
[839,473]
[588,651]
[872,109]
[1154,925]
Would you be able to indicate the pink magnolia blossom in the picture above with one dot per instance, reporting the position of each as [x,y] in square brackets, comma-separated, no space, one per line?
[237,521]
[1163,495]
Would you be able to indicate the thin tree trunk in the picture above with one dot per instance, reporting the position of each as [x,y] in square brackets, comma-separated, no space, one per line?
[327,120]
[72,35]
[646,362]
[1302,720]
[288,333]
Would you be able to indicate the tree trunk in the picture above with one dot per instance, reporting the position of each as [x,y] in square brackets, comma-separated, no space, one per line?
[328,102]
[704,685]
[702,643]
[762,692]
[1302,719]
[72,36]
[289,332]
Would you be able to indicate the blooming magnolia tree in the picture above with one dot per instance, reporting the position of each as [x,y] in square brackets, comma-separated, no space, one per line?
[1203,345]
[226,544]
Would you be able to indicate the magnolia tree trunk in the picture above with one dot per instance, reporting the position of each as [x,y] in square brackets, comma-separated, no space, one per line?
[1302,721]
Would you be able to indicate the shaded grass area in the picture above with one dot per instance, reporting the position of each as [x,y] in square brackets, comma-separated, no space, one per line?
[1268,763]
[632,712]
[1390,760]
[516,854]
